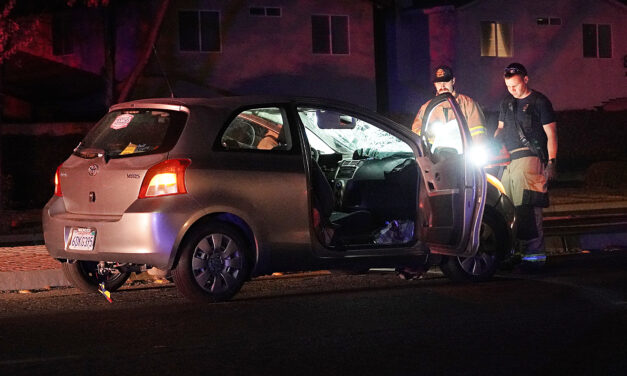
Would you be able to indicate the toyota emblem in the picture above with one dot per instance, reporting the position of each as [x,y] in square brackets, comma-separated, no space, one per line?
[92,170]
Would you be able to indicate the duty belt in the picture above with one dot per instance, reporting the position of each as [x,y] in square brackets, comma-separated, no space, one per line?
[521,153]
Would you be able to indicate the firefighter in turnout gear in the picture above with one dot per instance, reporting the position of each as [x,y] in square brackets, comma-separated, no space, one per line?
[444,82]
[528,129]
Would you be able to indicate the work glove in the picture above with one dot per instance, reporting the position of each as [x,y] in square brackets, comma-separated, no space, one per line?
[550,171]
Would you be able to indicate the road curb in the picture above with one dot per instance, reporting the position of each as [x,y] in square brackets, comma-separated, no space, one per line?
[573,208]
[32,279]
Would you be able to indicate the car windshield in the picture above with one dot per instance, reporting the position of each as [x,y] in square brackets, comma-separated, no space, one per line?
[348,134]
[130,132]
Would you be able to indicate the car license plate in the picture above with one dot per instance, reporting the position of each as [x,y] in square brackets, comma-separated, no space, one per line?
[82,239]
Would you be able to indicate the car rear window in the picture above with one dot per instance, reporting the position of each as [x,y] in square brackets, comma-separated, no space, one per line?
[131,132]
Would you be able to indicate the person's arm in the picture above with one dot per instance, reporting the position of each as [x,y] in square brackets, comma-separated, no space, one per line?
[476,121]
[551,135]
[501,123]
[499,129]
[417,125]
[549,124]
[551,144]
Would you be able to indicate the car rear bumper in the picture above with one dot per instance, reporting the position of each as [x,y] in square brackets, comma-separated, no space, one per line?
[147,233]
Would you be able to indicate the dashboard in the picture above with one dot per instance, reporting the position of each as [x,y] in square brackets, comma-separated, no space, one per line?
[385,185]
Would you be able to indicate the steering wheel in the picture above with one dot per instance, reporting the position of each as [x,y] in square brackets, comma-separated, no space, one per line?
[241,132]
[248,135]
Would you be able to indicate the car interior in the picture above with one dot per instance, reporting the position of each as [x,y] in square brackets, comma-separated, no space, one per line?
[364,182]
[362,200]
[260,129]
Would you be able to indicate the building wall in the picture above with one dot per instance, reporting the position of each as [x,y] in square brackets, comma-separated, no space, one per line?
[442,35]
[263,55]
[88,54]
[133,20]
[407,54]
[552,54]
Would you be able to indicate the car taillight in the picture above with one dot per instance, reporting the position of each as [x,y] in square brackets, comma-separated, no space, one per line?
[164,179]
[57,183]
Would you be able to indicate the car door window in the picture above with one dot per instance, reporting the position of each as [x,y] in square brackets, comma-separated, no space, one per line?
[257,129]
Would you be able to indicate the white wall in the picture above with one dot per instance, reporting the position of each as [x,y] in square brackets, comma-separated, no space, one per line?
[273,55]
[553,55]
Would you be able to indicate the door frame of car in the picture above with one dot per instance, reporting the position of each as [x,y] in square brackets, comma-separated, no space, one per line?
[463,235]
[468,240]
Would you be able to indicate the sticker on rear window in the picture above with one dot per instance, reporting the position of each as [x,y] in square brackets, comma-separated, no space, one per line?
[130,149]
[122,121]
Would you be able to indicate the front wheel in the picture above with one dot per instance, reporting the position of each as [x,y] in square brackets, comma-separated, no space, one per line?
[214,263]
[483,265]
[84,276]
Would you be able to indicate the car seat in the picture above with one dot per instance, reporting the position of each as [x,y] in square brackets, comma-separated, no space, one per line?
[339,228]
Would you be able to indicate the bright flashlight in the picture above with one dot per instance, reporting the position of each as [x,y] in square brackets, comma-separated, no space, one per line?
[479,155]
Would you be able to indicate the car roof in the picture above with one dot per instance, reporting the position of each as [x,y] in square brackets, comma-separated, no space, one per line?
[228,104]
[240,101]
[208,102]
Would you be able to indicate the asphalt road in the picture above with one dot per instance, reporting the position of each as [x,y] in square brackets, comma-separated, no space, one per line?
[571,319]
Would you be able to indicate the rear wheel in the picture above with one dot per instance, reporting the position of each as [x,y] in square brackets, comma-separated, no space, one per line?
[484,263]
[84,276]
[214,263]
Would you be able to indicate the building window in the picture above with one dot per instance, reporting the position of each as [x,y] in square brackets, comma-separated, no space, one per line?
[546,21]
[199,31]
[265,11]
[62,35]
[597,41]
[329,35]
[496,39]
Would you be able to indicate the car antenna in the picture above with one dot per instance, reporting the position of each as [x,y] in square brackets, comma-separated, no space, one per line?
[165,76]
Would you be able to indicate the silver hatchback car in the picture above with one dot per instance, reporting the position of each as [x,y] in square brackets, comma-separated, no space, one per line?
[213,192]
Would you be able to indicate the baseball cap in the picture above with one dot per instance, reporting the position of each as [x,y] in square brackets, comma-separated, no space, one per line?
[514,69]
[443,73]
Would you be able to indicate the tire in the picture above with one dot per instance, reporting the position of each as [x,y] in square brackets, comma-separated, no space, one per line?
[213,265]
[82,275]
[483,265]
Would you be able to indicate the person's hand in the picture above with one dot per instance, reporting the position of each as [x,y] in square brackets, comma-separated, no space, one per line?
[551,170]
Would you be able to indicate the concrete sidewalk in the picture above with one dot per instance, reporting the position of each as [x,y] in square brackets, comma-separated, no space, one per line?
[31,268]
[28,268]
[568,200]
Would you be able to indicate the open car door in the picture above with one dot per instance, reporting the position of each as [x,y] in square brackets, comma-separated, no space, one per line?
[454,188]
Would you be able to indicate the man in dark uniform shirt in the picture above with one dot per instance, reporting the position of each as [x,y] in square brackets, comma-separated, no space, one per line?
[527,126]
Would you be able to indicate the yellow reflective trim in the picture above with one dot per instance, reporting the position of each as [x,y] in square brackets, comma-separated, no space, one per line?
[475,133]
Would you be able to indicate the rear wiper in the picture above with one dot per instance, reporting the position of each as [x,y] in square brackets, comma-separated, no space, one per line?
[91,153]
